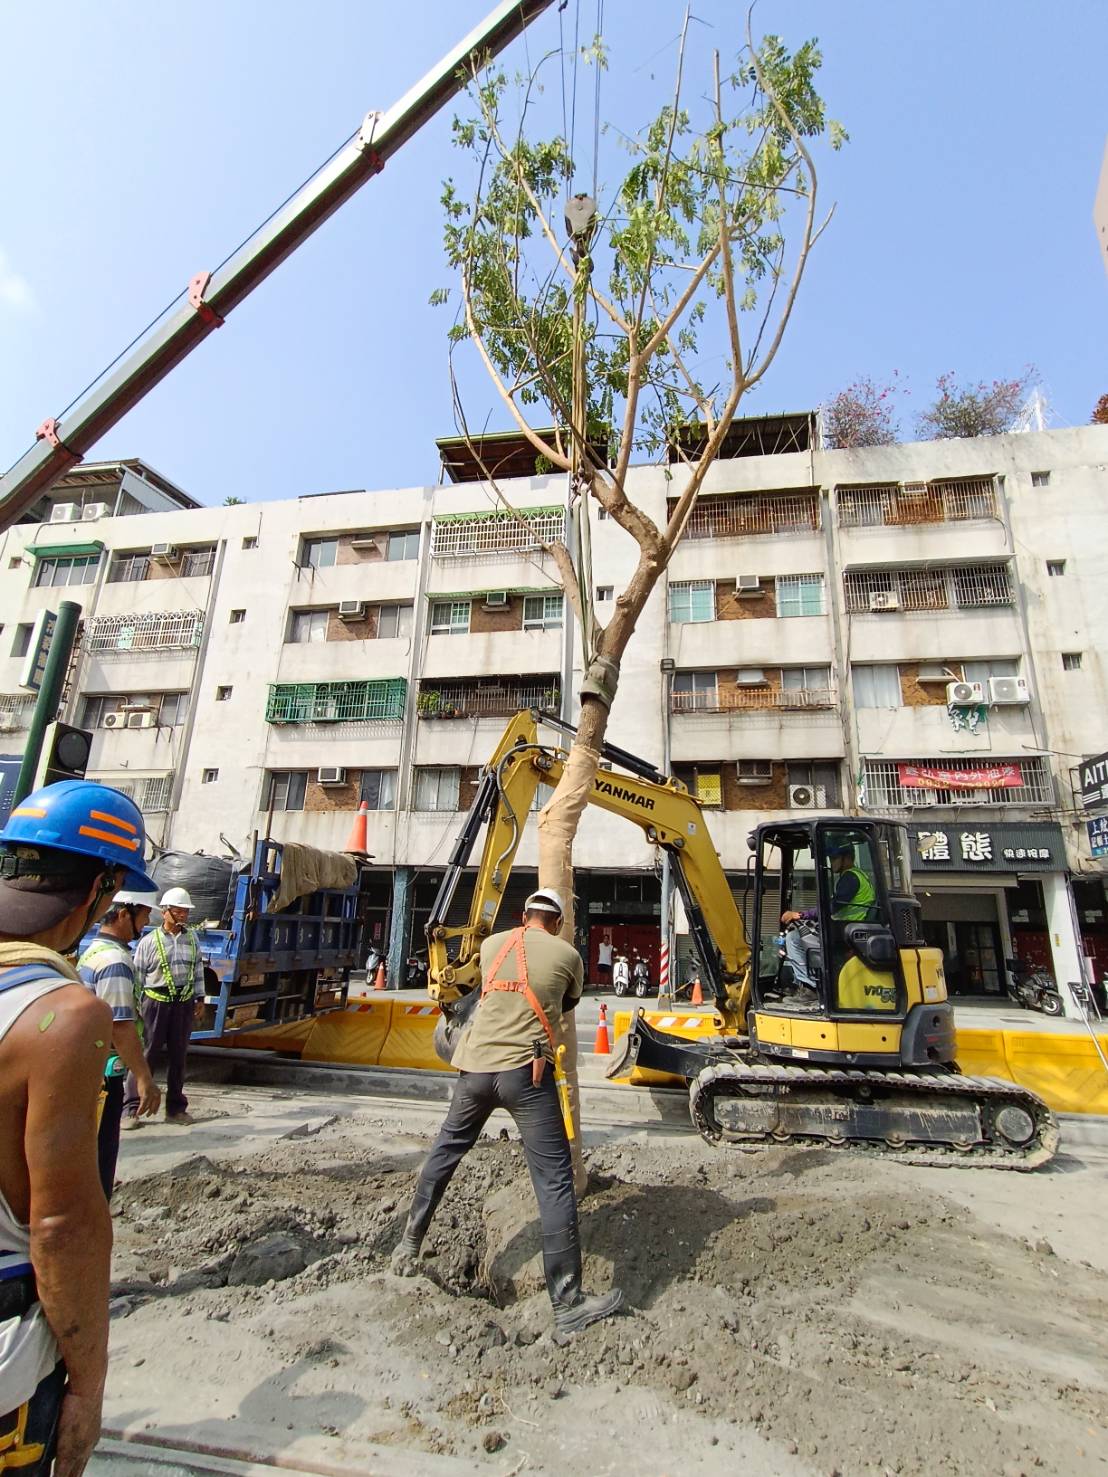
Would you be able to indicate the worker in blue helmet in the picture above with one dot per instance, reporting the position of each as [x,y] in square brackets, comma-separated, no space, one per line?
[65,852]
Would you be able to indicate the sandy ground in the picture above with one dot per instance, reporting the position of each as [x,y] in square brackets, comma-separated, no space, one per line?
[792,1312]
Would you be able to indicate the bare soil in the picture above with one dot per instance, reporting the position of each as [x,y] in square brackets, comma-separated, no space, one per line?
[788,1312]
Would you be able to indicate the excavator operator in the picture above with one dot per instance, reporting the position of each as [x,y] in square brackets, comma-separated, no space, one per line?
[853,897]
[505,1059]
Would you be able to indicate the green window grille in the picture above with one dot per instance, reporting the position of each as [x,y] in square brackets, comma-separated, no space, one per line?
[336,702]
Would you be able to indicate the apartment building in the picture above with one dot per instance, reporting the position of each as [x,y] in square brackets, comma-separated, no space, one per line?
[910,630]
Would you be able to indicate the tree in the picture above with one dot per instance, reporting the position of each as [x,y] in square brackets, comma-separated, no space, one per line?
[861,415]
[1100,412]
[983,409]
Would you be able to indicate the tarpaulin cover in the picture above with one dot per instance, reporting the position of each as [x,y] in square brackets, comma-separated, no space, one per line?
[209,880]
[306,869]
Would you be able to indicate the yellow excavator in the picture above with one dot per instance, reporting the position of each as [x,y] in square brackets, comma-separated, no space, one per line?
[841,1036]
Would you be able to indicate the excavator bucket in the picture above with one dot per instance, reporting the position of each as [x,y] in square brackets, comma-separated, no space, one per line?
[647,1056]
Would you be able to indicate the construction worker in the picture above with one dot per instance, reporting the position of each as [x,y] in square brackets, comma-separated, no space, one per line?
[107,968]
[170,973]
[66,850]
[505,1060]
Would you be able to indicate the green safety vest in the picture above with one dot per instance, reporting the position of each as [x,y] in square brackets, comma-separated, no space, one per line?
[114,1066]
[858,909]
[173,993]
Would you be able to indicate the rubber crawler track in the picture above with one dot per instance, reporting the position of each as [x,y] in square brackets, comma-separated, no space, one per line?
[751,1079]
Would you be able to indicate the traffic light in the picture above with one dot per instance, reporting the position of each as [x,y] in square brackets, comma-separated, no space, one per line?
[65,753]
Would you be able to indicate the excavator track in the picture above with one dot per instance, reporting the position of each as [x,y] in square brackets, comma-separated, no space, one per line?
[931,1117]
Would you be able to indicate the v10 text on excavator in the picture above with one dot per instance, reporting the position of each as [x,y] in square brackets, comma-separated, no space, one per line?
[848,1042]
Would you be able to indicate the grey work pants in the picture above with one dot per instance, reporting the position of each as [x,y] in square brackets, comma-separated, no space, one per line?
[168,1027]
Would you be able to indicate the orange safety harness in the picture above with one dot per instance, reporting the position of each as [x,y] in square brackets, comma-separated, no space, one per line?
[521,986]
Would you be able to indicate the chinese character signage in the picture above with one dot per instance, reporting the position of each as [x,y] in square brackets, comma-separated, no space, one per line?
[1098,836]
[951,846]
[964,777]
[1094,781]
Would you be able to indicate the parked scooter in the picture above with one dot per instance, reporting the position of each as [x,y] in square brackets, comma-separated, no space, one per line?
[640,977]
[1034,989]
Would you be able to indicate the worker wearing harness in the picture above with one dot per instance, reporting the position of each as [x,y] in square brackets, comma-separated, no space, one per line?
[505,1060]
[67,848]
[170,973]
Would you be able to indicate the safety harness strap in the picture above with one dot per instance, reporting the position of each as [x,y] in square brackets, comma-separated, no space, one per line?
[172,991]
[521,986]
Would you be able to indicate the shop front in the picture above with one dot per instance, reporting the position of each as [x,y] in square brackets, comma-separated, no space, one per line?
[989,892]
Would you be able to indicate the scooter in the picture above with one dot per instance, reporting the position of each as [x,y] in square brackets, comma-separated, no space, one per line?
[1033,988]
[640,978]
[415,973]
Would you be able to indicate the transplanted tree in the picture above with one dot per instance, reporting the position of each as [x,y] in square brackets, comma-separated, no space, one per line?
[984,409]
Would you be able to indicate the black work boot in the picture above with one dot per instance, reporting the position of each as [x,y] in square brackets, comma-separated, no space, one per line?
[405,1256]
[573,1309]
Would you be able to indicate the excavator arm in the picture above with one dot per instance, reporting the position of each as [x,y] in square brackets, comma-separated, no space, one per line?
[659,805]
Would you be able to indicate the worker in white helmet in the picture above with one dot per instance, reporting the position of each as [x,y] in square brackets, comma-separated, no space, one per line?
[170,973]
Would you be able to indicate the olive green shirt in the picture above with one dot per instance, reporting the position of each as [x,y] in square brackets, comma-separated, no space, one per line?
[504,1028]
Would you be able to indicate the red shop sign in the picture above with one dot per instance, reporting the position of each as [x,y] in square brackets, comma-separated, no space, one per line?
[980,777]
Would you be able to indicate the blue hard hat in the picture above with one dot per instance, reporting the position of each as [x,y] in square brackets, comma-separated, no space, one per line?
[84,819]
[838,847]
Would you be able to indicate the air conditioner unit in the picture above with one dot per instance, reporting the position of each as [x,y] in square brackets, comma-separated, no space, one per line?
[495,599]
[964,694]
[750,677]
[754,771]
[115,720]
[92,511]
[883,600]
[142,720]
[65,513]
[1008,690]
[748,584]
[351,610]
[808,797]
[365,543]
[165,554]
[332,776]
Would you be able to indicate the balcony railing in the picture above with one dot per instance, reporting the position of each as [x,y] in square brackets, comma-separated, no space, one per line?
[336,702]
[957,587]
[881,787]
[468,535]
[900,505]
[464,700]
[755,513]
[754,699]
[173,630]
[150,793]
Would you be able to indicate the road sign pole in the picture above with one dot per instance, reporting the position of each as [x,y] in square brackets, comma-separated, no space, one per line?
[49,695]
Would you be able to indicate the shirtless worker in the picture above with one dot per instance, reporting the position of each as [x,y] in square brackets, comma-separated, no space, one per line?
[66,850]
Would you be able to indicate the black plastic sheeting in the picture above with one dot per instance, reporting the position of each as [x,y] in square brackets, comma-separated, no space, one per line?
[209,880]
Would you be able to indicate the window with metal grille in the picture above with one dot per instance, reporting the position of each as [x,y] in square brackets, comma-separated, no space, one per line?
[404,545]
[966,586]
[450,617]
[378,789]
[897,504]
[982,584]
[80,569]
[437,789]
[881,788]
[170,630]
[709,788]
[393,621]
[15,709]
[692,600]
[336,702]
[694,692]
[543,612]
[1071,661]
[744,514]
[497,697]
[876,686]
[129,568]
[308,626]
[458,535]
[151,793]
[819,775]
[754,771]
[800,594]
[197,563]
[319,553]
[285,789]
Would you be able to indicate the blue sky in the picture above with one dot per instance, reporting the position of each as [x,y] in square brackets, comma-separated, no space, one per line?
[143,141]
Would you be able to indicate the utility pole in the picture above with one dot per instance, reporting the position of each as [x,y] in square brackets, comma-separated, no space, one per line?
[49,695]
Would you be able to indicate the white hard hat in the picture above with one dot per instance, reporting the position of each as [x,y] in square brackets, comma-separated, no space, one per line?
[136,899]
[546,900]
[176,897]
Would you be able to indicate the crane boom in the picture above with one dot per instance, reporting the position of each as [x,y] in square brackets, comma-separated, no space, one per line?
[210,297]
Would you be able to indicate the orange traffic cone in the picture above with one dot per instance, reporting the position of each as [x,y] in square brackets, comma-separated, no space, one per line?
[359,833]
[379,979]
[602,1046]
[697,997]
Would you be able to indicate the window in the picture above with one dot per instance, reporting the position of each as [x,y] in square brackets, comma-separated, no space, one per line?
[817,775]
[404,545]
[1055,567]
[800,594]
[1040,479]
[393,620]
[173,709]
[986,584]
[129,568]
[153,793]
[805,679]
[21,643]
[694,692]
[286,790]
[80,569]
[604,593]
[198,563]
[15,561]
[692,600]
[709,788]
[250,541]
[93,709]
[237,617]
[378,789]
[307,626]
[982,671]
[223,694]
[542,612]
[319,553]
[209,776]
[754,771]
[876,687]
[437,789]
[450,617]
[1071,661]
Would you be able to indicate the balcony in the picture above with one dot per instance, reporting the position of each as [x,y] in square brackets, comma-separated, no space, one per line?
[156,631]
[486,699]
[336,702]
[957,587]
[747,514]
[754,699]
[911,784]
[907,505]
[478,535]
